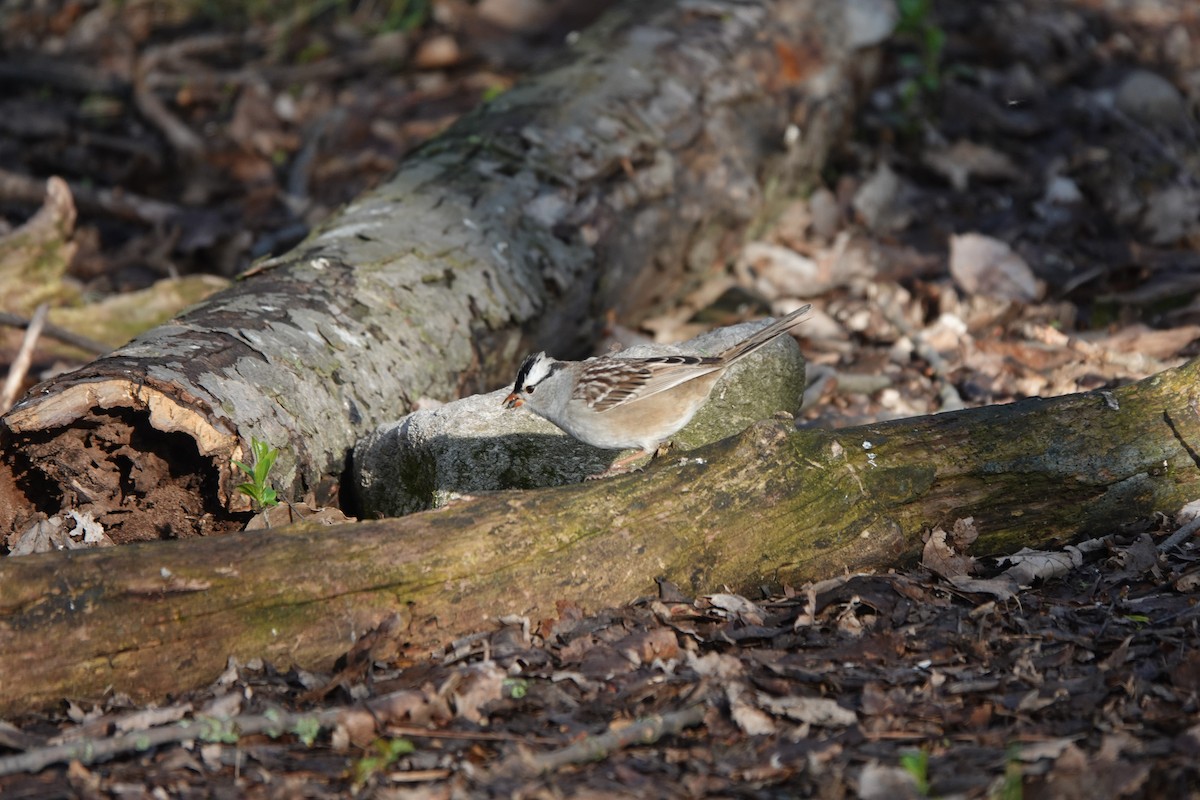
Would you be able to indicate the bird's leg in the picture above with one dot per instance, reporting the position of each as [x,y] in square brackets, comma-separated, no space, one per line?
[622,465]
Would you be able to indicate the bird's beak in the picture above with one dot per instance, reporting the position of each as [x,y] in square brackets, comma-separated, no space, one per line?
[513,400]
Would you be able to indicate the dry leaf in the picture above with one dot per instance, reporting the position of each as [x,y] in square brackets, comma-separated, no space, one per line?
[987,266]
[958,162]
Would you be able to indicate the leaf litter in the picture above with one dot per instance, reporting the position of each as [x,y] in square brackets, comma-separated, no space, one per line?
[1083,684]
[1051,149]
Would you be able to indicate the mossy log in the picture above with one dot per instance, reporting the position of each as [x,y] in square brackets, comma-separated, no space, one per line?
[612,180]
[773,505]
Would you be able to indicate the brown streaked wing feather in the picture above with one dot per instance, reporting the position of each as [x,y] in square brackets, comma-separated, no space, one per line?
[610,382]
[606,384]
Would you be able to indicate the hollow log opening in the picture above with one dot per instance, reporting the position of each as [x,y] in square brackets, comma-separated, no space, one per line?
[139,483]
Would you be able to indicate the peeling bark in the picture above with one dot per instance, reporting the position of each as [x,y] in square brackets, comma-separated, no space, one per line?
[611,181]
[772,505]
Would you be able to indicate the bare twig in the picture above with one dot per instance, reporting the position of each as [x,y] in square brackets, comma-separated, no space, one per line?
[185,141]
[207,729]
[274,723]
[1180,536]
[114,203]
[61,74]
[20,364]
[59,333]
[417,732]
[647,730]
[150,67]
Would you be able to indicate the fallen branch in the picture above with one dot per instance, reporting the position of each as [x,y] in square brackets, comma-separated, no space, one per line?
[771,506]
[644,731]
[20,365]
[94,750]
[118,204]
[57,332]
[586,188]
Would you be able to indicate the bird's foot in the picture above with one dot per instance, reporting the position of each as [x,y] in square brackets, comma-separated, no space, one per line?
[624,465]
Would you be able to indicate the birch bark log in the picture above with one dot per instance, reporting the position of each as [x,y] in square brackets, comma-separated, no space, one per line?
[611,181]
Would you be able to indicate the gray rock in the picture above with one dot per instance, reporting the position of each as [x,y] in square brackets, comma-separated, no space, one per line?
[1151,100]
[475,444]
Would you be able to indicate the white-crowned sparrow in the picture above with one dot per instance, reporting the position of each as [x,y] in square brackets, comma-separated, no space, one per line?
[620,403]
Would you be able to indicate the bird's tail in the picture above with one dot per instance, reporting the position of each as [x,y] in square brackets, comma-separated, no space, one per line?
[776,328]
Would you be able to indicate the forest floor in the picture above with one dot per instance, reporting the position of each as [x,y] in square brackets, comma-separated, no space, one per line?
[1016,214]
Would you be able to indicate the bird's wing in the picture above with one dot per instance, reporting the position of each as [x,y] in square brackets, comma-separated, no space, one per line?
[606,383]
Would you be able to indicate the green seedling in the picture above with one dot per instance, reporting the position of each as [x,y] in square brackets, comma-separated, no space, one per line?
[407,15]
[916,764]
[257,488]
[916,21]
[306,730]
[381,755]
[924,65]
[1010,788]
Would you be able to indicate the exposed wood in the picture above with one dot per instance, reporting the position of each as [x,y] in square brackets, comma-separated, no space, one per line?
[772,505]
[610,181]
[20,365]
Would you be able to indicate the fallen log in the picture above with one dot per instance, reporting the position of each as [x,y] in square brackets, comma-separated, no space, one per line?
[612,181]
[773,505]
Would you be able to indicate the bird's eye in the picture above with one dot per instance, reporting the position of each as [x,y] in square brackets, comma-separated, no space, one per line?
[528,390]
